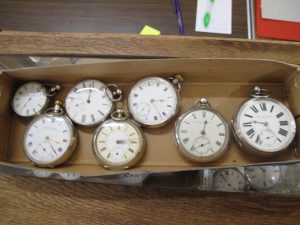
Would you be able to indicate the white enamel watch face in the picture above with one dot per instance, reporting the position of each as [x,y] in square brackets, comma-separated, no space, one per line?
[264,126]
[202,135]
[118,144]
[87,103]
[263,177]
[29,100]
[49,141]
[229,180]
[153,101]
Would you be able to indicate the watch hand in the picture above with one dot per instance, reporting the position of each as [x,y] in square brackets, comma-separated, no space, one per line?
[53,149]
[26,103]
[155,106]
[49,139]
[203,130]
[204,144]
[224,178]
[158,100]
[263,123]
[89,97]
[43,148]
[125,156]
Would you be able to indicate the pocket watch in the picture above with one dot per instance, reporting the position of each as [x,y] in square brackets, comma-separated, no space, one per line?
[202,134]
[154,101]
[33,98]
[229,180]
[119,142]
[90,102]
[262,177]
[50,138]
[263,125]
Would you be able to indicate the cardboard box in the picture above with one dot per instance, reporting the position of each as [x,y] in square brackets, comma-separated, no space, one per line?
[224,82]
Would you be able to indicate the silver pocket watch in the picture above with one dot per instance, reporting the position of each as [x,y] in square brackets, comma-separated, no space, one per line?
[229,180]
[50,138]
[118,143]
[202,134]
[154,101]
[90,102]
[263,177]
[262,125]
[32,98]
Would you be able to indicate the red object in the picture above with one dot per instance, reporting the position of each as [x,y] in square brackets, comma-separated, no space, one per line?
[274,28]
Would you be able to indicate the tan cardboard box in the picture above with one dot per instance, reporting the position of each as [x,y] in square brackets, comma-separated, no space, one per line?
[224,82]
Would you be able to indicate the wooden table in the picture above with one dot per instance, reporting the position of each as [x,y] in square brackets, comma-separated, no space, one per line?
[26,200]
[109,16]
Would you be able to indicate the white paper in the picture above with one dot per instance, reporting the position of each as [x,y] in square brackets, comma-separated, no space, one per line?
[285,10]
[220,19]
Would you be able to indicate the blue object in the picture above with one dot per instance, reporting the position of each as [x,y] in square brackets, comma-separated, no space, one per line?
[179,18]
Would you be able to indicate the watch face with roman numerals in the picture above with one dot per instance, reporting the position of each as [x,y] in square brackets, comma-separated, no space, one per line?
[264,125]
[153,101]
[118,144]
[87,103]
[49,141]
[202,134]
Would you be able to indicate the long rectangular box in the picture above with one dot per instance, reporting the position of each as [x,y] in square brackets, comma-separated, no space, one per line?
[224,82]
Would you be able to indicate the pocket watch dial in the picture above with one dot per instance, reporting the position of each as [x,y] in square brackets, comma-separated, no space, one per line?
[118,144]
[29,100]
[263,177]
[153,101]
[202,135]
[265,124]
[229,180]
[47,140]
[87,103]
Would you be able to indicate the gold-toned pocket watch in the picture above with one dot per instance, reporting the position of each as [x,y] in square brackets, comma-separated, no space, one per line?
[119,142]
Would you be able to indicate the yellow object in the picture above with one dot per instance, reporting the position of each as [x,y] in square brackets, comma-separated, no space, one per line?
[147,30]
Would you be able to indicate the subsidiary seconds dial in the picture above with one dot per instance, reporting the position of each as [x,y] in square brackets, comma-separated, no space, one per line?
[153,101]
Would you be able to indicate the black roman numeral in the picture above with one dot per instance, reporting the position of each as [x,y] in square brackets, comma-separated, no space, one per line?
[254,109]
[263,106]
[283,123]
[186,140]
[257,140]
[248,124]
[283,132]
[250,132]
[279,115]
[248,115]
